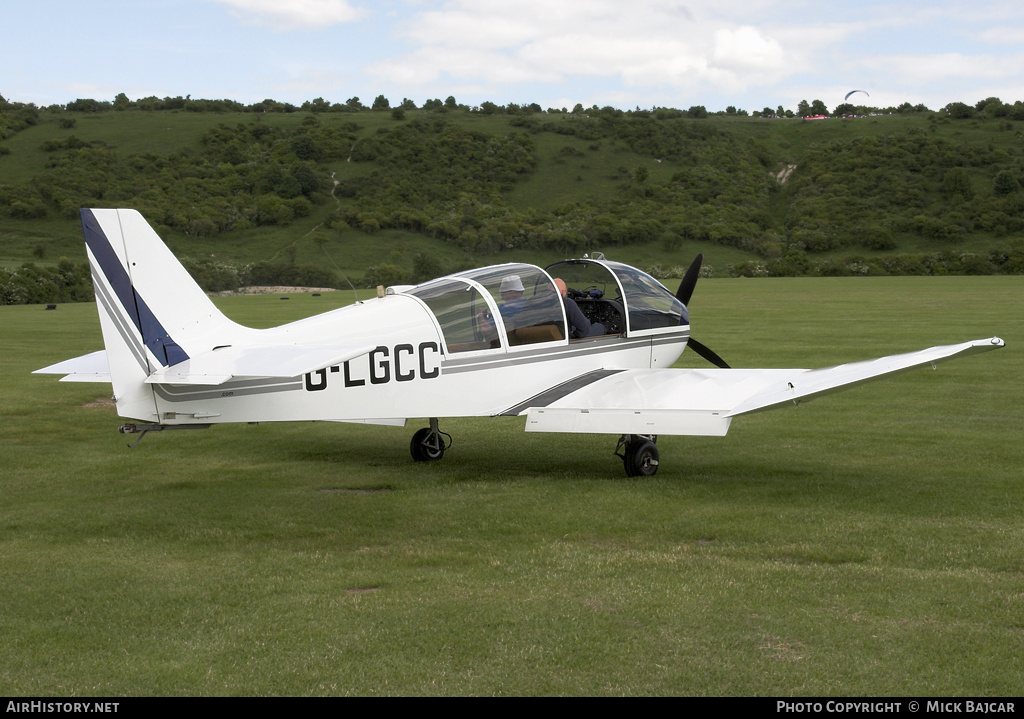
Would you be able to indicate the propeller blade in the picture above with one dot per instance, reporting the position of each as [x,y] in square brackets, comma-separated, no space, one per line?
[707,354]
[685,290]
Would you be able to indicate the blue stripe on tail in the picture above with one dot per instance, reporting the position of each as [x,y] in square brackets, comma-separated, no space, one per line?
[156,338]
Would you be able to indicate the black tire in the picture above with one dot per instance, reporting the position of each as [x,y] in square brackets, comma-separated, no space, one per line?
[426,448]
[641,459]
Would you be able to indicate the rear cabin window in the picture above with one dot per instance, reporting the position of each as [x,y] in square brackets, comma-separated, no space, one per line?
[461,311]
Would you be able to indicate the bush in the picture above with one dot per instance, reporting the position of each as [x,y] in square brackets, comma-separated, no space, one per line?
[30,285]
[385,274]
[280,273]
[213,276]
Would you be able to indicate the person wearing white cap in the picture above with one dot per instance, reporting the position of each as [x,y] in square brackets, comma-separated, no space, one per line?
[512,301]
[511,283]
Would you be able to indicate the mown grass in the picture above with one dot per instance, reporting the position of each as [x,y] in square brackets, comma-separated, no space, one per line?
[864,544]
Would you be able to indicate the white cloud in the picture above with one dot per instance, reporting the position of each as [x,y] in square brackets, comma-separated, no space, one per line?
[295,14]
[650,42]
[1013,36]
[925,69]
[747,49]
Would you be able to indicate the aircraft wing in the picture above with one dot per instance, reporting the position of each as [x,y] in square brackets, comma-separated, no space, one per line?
[220,365]
[704,401]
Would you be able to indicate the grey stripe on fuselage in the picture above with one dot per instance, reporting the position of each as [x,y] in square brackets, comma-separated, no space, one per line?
[238,388]
[179,393]
[456,365]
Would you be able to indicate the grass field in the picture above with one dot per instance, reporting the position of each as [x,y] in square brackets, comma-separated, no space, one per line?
[868,543]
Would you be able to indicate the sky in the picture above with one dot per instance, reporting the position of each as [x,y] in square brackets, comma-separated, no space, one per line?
[749,54]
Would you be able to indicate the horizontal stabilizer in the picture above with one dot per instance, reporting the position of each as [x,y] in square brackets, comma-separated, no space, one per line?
[92,367]
[224,363]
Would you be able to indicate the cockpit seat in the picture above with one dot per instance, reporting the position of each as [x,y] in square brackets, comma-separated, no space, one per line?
[531,335]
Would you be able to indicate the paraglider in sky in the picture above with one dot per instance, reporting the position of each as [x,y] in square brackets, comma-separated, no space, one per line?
[853,91]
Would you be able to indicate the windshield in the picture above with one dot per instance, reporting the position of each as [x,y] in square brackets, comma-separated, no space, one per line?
[649,302]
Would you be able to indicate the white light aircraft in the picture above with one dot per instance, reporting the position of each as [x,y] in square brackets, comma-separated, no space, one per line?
[487,342]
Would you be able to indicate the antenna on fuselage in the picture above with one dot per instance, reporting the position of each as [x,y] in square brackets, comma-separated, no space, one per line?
[354,293]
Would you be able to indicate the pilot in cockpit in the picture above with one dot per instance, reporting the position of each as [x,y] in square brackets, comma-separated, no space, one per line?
[579,325]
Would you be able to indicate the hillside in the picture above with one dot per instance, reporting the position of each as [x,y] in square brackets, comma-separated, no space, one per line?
[404,194]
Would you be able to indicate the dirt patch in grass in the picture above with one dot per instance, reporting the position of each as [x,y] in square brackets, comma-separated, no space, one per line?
[354,490]
[271,290]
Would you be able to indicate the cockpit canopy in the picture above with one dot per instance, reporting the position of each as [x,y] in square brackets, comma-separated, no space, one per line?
[518,304]
[477,309]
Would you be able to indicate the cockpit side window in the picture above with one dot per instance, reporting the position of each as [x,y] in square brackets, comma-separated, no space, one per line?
[461,311]
[587,278]
[529,306]
[595,292]
[607,291]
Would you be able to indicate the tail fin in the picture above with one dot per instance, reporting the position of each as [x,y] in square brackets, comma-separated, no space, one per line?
[152,313]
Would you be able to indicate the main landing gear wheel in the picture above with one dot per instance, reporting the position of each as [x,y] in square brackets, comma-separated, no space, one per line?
[429,443]
[640,457]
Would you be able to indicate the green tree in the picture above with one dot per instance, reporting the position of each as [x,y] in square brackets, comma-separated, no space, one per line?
[317,105]
[381,103]
[956,181]
[990,106]
[1005,183]
[959,111]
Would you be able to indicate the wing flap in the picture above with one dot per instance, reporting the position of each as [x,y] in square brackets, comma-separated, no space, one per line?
[703,402]
[625,421]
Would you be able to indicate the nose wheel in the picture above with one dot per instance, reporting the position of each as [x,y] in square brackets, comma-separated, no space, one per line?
[640,454]
[429,443]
